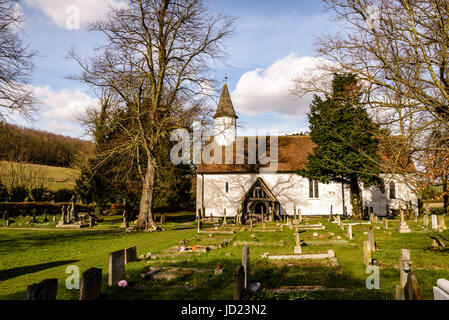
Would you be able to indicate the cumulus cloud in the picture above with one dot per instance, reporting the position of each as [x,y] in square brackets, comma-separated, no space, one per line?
[65,105]
[65,13]
[269,90]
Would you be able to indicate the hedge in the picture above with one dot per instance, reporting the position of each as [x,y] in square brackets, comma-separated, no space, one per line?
[25,208]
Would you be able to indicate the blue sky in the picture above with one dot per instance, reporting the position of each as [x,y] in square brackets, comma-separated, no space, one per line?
[271,44]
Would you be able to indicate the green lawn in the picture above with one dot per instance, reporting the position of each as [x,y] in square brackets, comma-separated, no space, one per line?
[30,256]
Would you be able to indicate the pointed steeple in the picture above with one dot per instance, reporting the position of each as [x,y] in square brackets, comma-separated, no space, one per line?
[225,107]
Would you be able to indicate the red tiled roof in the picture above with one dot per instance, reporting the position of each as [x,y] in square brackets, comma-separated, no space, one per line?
[293,152]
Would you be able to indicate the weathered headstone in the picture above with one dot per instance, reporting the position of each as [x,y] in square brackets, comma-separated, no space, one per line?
[299,216]
[124,223]
[45,290]
[441,291]
[371,239]
[350,231]
[425,220]
[130,254]
[441,223]
[366,253]
[239,282]
[298,249]
[245,263]
[403,226]
[338,220]
[90,287]
[404,266]
[116,267]
[434,222]
[385,223]
[371,217]
[225,223]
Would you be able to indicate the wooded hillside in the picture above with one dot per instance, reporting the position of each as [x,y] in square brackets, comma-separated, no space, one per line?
[39,147]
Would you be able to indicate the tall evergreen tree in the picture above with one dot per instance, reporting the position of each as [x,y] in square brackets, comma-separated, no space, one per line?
[346,141]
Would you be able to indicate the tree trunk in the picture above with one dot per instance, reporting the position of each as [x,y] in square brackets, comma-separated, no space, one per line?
[145,220]
[355,199]
[445,195]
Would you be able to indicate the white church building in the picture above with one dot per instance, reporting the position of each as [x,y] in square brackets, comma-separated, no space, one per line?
[240,187]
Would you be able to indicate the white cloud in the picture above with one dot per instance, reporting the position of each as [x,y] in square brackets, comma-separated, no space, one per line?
[269,90]
[64,105]
[61,11]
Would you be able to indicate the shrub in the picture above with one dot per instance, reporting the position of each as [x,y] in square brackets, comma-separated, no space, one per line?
[18,194]
[4,194]
[63,195]
[42,194]
[26,208]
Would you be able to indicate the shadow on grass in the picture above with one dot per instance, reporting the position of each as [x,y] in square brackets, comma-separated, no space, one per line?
[15,272]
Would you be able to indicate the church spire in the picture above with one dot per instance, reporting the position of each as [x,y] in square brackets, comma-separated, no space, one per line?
[225,107]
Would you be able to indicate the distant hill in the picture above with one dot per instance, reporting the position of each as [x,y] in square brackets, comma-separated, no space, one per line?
[39,147]
[55,177]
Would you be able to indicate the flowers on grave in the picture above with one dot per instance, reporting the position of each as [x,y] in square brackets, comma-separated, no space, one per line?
[122,283]
[219,267]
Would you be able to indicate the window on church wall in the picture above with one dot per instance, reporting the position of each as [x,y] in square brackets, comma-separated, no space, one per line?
[313,189]
[226,186]
[392,190]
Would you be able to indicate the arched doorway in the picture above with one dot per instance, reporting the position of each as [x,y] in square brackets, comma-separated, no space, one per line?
[259,203]
[260,208]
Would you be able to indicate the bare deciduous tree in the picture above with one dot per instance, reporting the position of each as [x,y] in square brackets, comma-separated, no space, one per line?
[155,61]
[399,51]
[16,64]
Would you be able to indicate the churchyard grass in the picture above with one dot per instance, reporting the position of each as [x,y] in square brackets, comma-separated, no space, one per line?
[30,256]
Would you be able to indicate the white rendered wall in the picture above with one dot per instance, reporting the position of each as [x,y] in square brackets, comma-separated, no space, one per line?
[291,190]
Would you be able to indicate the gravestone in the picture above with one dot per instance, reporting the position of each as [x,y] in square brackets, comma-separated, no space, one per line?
[116,267]
[338,220]
[371,239]
[441,291]
[385,223]
[403,226]
[366,253]
[90,287]
[245,263]
[239,282]
[434,222]
[441,223]
[425,220]
[350,231]
[404,266]
[225,224]
[45,290]
[130,254]
[342,226]
[124,223]
[371,217]
[299,216]
[163,219]
[297,249]
[200,224]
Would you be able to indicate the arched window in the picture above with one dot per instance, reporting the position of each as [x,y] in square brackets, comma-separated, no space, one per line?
[313,189]
[392,190]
